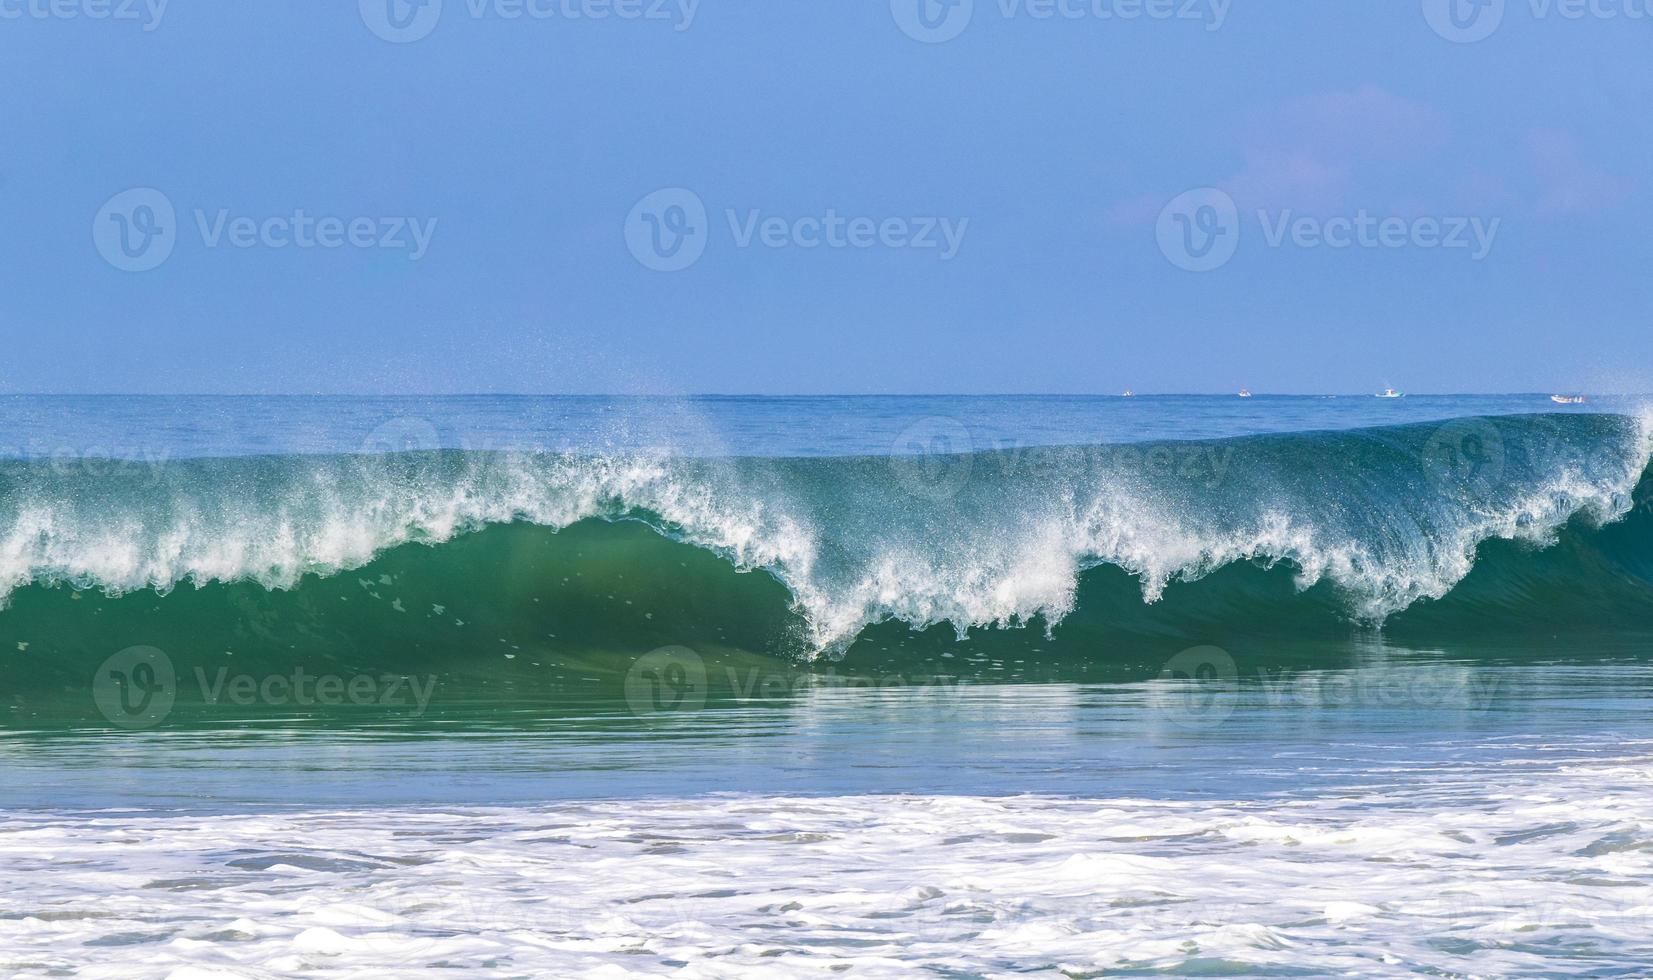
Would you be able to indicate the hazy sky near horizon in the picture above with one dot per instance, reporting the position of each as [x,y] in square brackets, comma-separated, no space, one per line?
[888,196]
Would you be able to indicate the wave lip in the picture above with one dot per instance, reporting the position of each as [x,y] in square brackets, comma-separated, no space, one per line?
[1382,518]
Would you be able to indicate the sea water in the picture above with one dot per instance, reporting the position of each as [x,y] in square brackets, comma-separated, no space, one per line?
[898,686]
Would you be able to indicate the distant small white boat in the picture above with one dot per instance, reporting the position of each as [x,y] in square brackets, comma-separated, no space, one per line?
[1128,394]
[1567,399]
[1245,392]
[1390,393]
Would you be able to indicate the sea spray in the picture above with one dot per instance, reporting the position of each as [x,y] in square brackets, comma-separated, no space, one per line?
[1369,522]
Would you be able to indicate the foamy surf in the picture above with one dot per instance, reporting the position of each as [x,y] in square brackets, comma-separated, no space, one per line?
[1509,869]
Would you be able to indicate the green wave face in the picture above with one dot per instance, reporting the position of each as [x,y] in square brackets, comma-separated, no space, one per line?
[546,578]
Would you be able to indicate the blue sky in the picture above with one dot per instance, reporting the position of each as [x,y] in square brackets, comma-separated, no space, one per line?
[494,193]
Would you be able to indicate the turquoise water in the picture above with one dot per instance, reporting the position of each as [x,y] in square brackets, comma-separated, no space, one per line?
[172,427]
[903,686]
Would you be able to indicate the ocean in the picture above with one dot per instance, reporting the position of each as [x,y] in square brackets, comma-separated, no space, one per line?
[886,686]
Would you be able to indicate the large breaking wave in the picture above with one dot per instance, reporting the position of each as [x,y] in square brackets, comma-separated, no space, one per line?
[1471,524]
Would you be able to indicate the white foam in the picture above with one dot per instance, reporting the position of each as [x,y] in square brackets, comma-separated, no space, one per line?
[1500,871]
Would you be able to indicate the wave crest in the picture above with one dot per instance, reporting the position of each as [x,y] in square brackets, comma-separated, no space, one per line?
[1385,517]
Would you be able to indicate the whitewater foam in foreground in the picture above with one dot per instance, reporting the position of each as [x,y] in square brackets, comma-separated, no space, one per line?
[1540,866]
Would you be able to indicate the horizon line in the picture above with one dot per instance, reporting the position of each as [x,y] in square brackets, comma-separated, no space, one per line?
[778,395]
